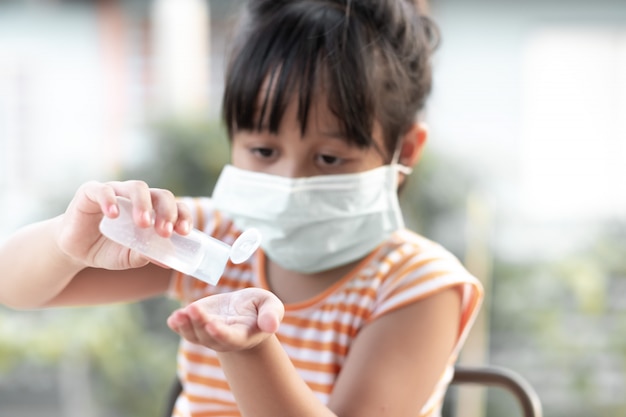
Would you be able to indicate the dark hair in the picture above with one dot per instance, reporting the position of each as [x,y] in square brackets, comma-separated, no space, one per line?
[371,58]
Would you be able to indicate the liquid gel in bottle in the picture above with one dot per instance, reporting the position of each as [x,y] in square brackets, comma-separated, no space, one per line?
[196,254]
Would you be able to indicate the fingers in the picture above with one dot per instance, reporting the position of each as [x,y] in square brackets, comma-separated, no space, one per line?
[183,222]
[180,322]
[170,215]
[225,322]
[151,206]
[99,197]
[165,211]
[191,324]
[140,196]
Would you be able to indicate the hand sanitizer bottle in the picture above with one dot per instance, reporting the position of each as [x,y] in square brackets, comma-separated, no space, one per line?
[196,254]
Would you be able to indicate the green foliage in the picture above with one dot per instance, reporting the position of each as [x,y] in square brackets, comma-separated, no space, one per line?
[433,200]
[564,319]
[131,363]
[187,157]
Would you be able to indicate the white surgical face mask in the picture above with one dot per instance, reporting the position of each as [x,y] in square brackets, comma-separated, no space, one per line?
[315,223]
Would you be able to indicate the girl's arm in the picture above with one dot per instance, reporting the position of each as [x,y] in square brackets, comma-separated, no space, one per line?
[33,268]
[67,261]
[391,369]
[396,360]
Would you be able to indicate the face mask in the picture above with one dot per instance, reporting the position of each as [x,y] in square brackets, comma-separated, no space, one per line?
[315,223]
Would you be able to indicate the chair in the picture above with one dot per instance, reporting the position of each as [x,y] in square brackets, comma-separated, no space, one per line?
[172,395]
[495,376]
[488,375]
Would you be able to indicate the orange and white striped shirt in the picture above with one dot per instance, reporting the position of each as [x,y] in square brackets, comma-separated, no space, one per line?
[317,333]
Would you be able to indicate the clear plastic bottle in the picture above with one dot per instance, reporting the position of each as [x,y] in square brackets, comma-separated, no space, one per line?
[196,254]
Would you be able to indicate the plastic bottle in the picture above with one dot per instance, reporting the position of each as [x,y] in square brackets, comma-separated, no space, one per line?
[196,254]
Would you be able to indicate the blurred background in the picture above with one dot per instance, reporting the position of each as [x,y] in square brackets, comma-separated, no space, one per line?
[523,180]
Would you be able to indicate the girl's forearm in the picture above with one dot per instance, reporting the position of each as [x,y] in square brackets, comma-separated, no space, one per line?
[32,268]
[266,384]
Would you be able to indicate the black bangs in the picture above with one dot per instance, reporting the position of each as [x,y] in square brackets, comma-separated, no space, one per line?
[293,51]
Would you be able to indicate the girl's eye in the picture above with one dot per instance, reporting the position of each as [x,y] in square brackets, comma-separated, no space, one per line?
[330,160]
[263,152]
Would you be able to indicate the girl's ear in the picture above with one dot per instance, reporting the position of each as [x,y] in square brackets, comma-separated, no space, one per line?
[413,143]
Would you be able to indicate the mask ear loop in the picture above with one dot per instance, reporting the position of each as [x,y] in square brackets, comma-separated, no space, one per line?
[398,168]
[395,160]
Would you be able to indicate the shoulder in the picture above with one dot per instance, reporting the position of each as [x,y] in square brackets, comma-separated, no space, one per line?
[411,268]
[407,253]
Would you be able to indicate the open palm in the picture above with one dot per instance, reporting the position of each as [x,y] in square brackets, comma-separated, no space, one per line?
[229,322]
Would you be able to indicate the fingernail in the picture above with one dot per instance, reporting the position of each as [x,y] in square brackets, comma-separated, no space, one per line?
[112,210]
[148,217]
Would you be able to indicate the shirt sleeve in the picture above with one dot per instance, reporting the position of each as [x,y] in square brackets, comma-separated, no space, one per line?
[415,275]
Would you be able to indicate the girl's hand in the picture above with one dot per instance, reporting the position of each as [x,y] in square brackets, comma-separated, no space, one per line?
[233,321]
[79,237]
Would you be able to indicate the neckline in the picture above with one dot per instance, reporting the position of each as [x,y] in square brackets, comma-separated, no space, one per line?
[261,259]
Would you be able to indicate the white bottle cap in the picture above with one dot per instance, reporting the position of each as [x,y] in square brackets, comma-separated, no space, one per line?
[245,245]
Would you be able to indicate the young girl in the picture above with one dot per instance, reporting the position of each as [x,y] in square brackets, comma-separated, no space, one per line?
[343,311]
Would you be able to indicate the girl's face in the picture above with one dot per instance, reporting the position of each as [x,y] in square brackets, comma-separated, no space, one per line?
[321,151]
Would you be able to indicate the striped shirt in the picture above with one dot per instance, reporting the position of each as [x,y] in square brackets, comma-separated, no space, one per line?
[317,333]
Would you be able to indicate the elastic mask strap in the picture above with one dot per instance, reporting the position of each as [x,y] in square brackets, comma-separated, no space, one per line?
[396,157]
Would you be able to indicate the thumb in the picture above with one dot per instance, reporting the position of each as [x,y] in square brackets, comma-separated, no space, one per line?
[270,314]
[137,260]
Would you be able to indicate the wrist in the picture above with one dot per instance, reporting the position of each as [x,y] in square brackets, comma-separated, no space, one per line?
[258,351]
